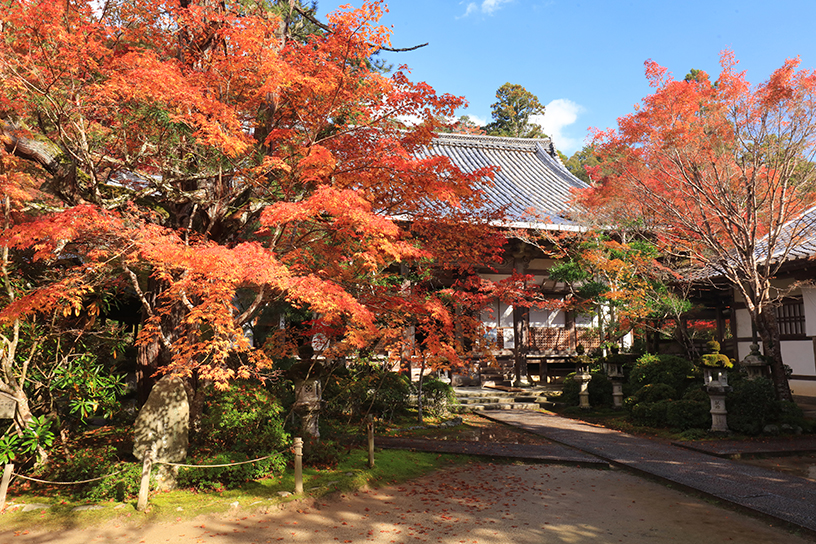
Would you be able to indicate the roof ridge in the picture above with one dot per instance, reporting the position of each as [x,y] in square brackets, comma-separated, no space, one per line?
[455,138]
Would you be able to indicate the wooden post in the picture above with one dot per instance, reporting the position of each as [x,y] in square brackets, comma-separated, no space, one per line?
[7,472]
[144,487]
[298,465]
[370,425]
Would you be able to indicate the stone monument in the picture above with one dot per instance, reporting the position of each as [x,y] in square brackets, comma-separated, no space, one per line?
[162,428]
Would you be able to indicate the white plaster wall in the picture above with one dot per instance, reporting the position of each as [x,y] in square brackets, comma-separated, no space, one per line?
[803,388]
[797,354]
[488,317]
[547,318]
[744,329]
[505,315]
[809,299]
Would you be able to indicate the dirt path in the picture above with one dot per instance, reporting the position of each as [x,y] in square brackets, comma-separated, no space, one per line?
[474,504]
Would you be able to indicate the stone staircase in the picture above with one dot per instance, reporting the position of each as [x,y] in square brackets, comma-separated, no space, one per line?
[475,399]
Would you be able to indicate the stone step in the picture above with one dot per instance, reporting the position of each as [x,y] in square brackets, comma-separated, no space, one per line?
[497,406]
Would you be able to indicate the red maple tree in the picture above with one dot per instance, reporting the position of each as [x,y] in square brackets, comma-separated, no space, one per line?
[198,157]
[715,170]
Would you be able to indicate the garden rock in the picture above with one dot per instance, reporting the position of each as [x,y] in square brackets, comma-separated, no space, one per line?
[770,429]
[162,428]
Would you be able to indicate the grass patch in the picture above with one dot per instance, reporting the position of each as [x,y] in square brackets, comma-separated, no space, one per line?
[352,473]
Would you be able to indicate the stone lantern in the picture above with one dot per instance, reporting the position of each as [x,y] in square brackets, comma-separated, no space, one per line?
[715,376]
[309,392]
[583,378]
[614,371]
[755,364]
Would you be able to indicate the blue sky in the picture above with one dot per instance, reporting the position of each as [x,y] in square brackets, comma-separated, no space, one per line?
[584,58]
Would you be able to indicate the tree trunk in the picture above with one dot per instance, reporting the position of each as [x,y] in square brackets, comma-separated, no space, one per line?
[765,321]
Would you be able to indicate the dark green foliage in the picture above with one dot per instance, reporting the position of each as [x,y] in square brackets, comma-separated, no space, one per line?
[229,477]
[651,414]
[696,392]
[653,392]
[87,387]
[671,370]
[245,418]
[436,396]
[244,422]
[323,454]
[687,414]
[751,405]
[663,379]
[351,393]
[600,390]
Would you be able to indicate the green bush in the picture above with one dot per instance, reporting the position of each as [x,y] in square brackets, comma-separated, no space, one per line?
[652,392]
[751,404]
[671,370]
[436,396]
[229,477]
[687,414]
[245,418]
[125,478]
[651,414]
[350,393]
[600,390]
[244,422]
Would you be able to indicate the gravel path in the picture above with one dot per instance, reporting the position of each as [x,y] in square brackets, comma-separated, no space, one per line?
[480,503]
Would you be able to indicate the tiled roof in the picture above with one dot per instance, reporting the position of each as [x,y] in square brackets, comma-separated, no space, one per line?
[530,174]
[798,237]
[797,240]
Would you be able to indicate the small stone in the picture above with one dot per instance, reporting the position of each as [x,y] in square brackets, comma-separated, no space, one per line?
[284,493]
[34,506]
[770,429]
[87,507]
[118,506]
[234,504]
[333,482]
[179,509]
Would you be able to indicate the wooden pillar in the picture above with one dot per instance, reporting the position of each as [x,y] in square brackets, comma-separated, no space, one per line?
[521,328]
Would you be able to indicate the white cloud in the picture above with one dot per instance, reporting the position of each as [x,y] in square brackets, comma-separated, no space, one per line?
[487,7]
[558,115]
[477,120]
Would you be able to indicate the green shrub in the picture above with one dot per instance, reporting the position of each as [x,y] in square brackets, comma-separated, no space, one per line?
[696,392]
[245,418]
[687,414]
[436,396]
[652,392]
[600,390]
[666,369]
[350,393]
[651,414]
[125,478]
[229,477]
[751,404]
[244,422]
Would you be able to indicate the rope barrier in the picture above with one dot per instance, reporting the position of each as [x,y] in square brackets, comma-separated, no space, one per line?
[66,483]
[216,466]
[226,465]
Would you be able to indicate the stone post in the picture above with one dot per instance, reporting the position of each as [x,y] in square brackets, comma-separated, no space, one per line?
[7,472]
[298,465]
[370,426]
[307,406]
